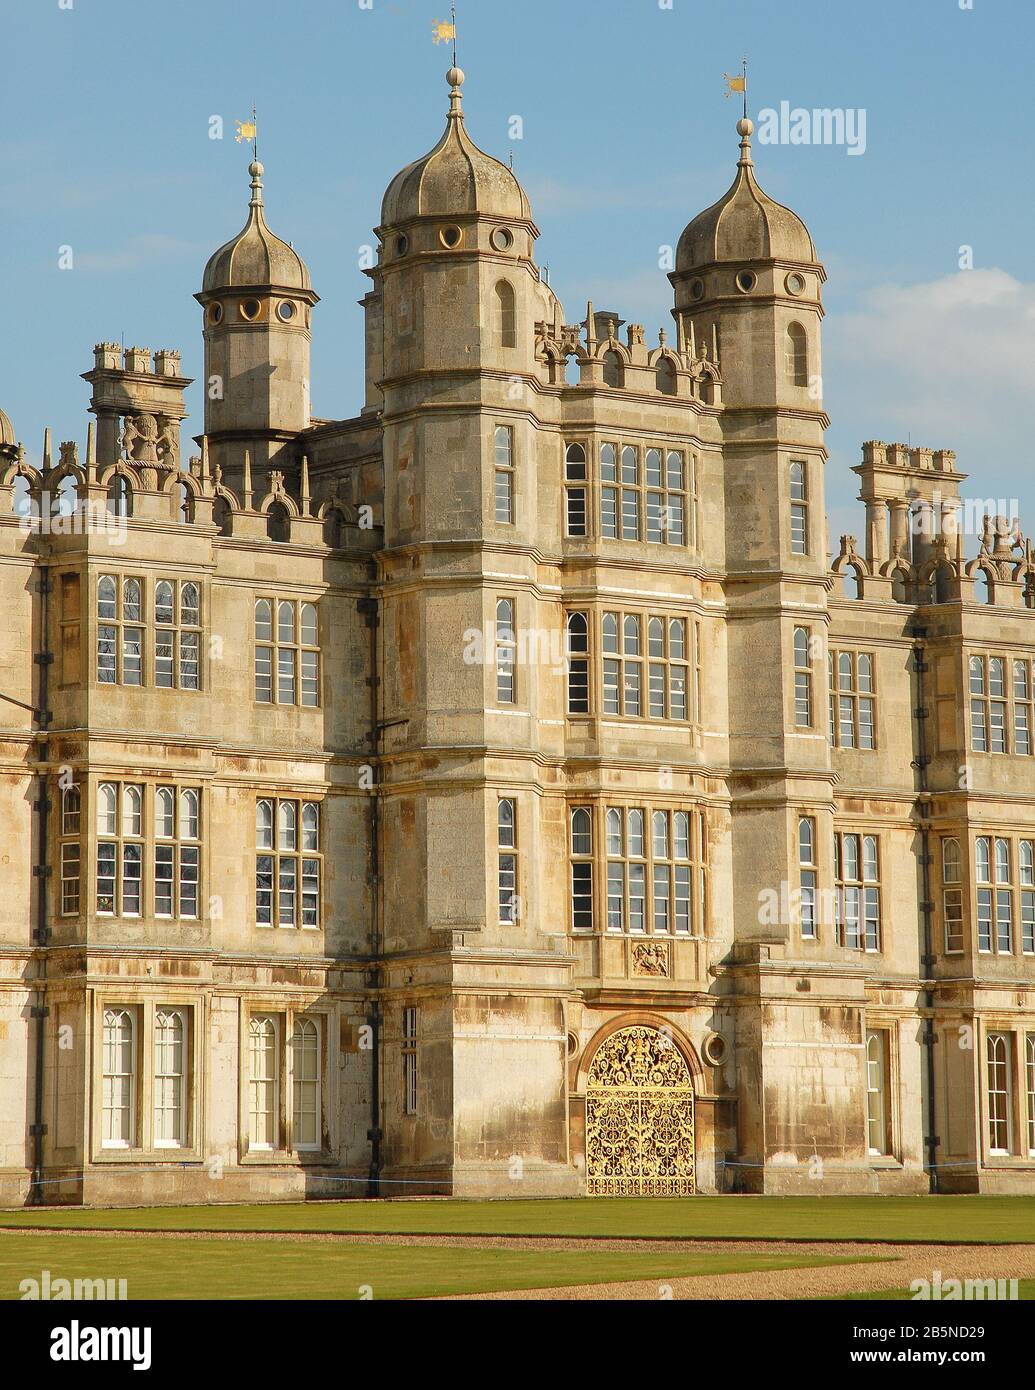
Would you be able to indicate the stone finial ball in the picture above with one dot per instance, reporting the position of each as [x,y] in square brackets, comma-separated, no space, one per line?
[455,77]
[744,126]
[255,169]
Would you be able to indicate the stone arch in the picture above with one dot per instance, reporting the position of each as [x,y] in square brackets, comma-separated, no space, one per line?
[640,1091]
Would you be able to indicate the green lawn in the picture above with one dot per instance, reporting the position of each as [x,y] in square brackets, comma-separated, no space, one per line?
[974,1219]
[1025,1292]
[175,1268]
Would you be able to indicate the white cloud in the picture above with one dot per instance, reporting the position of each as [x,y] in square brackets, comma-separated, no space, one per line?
[949,363]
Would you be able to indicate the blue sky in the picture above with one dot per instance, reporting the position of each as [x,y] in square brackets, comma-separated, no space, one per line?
[104,147]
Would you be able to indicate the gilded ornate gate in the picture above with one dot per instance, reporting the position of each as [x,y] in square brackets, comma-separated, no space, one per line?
[639,1118]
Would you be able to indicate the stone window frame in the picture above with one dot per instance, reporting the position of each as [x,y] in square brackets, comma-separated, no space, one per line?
[305,657]
[855,696]
[882,1036]
[286,1014]
[804,703]
[808,878]
[994,705]
[179,632]
[504,476]
[146,843]
[143,1003]
[798,514]
[507,863]
[505,650]
[118,629]
[270,880]
[631,493]
[593,876]
[865,885]
[1011,888]
[952,878]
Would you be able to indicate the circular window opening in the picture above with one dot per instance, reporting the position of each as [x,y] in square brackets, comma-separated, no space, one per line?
[746,281]
[696,289]
[215,313]
[402,245]
[715,1049]
[451,236]
[795,283]
[286,311]
[502,239]
[250,309]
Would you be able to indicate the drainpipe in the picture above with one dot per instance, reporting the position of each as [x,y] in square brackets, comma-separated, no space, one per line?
[369,612]
[920,763]
[41,872]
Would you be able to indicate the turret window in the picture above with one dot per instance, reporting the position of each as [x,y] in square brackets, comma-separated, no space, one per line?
[1005,895]
[802,678]
[506,651]
[177,617]
[577,650]
[506,314]
[807,876]
[952,894]
[504,481]
[506,834]
[799,489]
[796,355]
[575,493]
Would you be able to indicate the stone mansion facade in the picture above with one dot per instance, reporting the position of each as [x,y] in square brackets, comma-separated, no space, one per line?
[499,792]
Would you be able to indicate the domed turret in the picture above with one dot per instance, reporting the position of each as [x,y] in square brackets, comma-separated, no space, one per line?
[257,297]
[747,287]
[454,178]
[745,224]
[255,256]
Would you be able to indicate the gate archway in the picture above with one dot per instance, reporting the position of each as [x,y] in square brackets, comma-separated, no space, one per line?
[639,1117]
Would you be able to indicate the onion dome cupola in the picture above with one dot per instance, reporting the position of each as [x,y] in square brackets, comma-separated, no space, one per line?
[257,296]
[747,289]
[455,179]
[455,285]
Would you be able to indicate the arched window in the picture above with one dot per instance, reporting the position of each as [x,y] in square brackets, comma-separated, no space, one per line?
[615,842]
[984,591]
[263,1083]
[165,603]
[506,651]
[311,826]
[118,1097]
[169,1041]
[165,814]
[305,1073]
[899,586]
[264,824]
[184,504]
[71,803]
[612,369]
[581,831]
[107,597]
[132,820]
[578,663]
[131,602]
[222,516]
[287,831]
[666,377]
[506,314]
[190,605]
[107,810]
[796,355]
[278,523]
[189,815]
[120,497]
[572,371]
